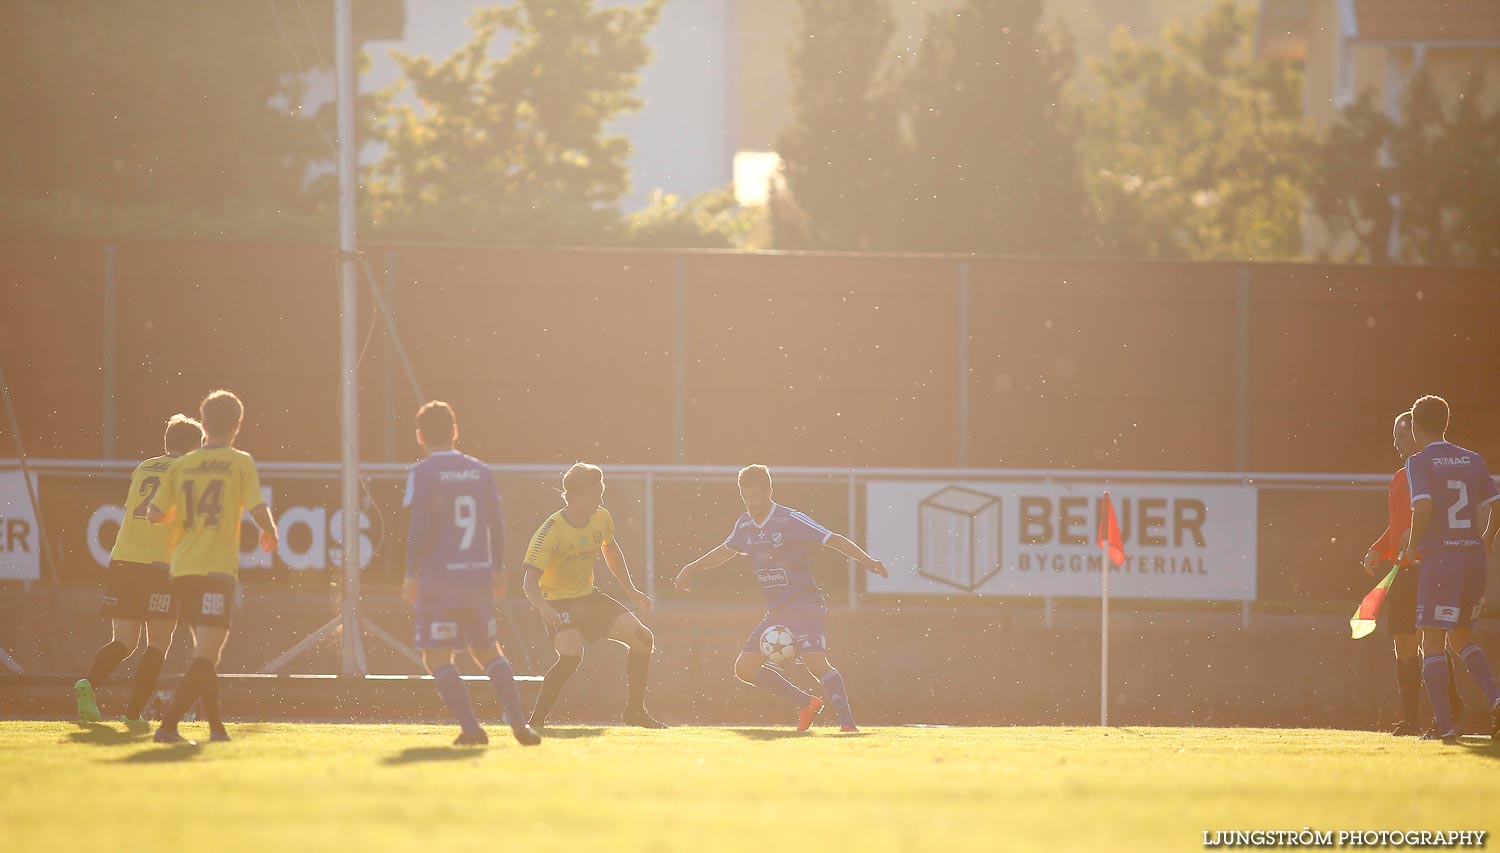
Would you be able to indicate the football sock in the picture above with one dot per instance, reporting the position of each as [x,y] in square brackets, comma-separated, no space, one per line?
[1435,674]
[456,696]
[774,682]
[208,699]
[637,671]
[552,685]
[188,690]
[1478,665]
[146,674]
[105,662]
[1455,702]
[1409,681]
[838,697]
[503,681]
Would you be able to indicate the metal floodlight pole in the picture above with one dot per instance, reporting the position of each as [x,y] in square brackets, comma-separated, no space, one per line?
[352,656]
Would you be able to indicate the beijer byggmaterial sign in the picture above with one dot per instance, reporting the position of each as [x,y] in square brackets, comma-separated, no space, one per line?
[1018,538]
[19,542]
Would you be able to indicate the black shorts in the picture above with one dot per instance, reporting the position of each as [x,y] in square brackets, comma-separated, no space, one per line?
[592,615]
[137,591]
[1401,602]
[204,600]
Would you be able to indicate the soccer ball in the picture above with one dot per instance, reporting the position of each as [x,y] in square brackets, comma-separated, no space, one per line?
[778,644]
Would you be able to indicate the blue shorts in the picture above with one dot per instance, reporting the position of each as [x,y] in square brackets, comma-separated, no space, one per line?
[1451,588]
[806,623]
[455,627]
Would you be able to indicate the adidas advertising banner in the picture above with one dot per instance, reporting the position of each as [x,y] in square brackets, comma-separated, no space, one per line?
[20,547]
[1018,538]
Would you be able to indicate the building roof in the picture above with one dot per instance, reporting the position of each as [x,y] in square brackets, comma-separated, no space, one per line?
[1284,28]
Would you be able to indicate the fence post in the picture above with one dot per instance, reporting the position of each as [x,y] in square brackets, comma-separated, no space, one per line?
[111,348]
[964,330]
[853,567]
[651,535]
[679,359]
[1242,369]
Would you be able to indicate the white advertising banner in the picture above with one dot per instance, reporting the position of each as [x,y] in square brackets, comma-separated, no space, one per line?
[1038,538]
[20,546]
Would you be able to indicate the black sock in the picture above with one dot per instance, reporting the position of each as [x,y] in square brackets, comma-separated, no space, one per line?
[105,661]
[188,691]
[637,670]
[552,685]
[208,698]
[1409,680]
[146,673]
[1455,702]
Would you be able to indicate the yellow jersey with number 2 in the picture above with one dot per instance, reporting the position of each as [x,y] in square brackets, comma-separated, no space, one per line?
[140,541]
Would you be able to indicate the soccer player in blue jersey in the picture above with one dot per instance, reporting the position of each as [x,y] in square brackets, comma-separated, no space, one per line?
[1450,485]
[454,573]
[779,541]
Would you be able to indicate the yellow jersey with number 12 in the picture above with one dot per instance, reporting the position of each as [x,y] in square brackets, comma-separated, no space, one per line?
[140,541]
[565,554]
[209,489]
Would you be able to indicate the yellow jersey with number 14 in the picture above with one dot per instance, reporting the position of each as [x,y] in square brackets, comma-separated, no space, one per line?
[565,554]
[209,489]
[140,541]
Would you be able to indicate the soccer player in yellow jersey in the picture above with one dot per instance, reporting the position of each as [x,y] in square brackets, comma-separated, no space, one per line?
[139,586]
[560,584]
[209,489]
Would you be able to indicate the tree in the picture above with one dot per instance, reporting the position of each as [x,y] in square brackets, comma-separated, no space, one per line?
[1442,164]
[841,149]
[993,167]
[512,148]
[1194,148]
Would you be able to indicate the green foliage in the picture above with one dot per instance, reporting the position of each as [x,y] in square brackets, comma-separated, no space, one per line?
[513,149]
[840,152]
[175,105]
[711,220]
[1442,164]
[1194,148]
[994,167]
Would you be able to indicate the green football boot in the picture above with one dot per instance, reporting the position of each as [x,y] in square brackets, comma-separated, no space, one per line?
[139,725]
[88,710]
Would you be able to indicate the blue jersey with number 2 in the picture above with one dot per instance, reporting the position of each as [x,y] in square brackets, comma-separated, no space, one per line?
[1458,483]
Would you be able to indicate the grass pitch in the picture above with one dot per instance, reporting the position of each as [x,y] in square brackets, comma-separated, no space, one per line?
[288,787]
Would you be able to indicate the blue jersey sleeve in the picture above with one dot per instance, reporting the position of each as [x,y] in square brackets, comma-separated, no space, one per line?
[1418,476]
[1488,491]
[803,528]
[738,539]
[416,530]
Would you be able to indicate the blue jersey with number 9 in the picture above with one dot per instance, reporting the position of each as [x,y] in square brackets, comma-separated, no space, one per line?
[453,533]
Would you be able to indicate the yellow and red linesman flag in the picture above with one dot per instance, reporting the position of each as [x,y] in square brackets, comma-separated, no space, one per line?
[1363,621]
[1109,533]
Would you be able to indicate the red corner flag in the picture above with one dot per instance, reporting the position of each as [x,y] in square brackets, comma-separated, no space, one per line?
[1109,533]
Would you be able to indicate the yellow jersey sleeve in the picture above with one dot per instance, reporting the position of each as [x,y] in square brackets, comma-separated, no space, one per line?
[249,483]
[543,544]
[606,526]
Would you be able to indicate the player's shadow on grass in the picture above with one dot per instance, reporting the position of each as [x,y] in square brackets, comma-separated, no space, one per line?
[768,734]
[570,732]
[163,754]
[418,754]
[1485,748]
[98,734]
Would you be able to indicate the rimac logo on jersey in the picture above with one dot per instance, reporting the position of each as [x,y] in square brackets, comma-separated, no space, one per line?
[467,474]
[1451,460]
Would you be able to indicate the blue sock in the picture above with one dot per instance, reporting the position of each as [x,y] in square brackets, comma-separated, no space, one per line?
[838,696]
[769,679]
[1478,665]
[1435,675]
[503,679]
[456,696]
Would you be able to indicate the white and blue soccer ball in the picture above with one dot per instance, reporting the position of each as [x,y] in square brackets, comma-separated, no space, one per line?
[778,644]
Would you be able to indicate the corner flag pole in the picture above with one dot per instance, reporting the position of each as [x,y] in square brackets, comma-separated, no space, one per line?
[1114,555]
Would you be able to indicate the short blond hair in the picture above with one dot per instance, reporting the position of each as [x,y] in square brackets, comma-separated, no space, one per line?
[583,476]
[755,474]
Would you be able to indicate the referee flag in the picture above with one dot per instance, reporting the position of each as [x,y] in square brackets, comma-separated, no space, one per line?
[1363,622]
[1109,532]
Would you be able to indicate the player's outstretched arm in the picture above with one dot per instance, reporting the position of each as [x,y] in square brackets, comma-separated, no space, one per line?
[843,545]
[615,559]
[1421,516]
[712,560]
[261,515]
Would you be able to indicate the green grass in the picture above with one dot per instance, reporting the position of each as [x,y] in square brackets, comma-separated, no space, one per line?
[369,788]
